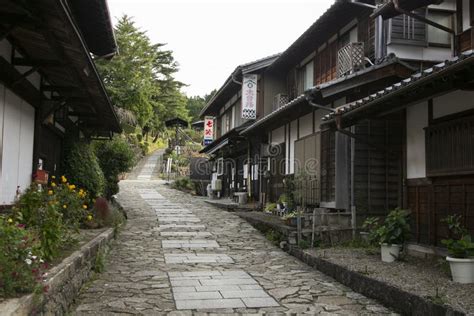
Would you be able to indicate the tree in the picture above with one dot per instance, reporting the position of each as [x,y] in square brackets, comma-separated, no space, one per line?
[196,103]
[141,78]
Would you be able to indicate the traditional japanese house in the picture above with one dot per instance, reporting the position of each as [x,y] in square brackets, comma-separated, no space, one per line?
[234,168]
[345,54]
[436,111]
[49,86]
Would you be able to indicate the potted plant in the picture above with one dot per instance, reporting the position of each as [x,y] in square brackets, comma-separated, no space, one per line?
[283,201]
[460,249]
[270,208]
[291,219]
[392,234]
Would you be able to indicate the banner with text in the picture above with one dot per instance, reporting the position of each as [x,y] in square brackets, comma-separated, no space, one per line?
[208,130]
[249,97]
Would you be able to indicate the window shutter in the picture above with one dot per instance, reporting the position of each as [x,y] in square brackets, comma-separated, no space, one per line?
[407,30]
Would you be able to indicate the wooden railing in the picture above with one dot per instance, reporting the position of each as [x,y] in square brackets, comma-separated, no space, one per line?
[450,147]
[350,58]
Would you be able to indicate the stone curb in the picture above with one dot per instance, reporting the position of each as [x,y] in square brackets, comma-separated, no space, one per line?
[400,300]
[64,282]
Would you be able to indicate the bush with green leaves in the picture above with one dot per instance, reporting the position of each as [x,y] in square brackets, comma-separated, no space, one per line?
[115,157]
[395,229]
[183,184]
[460,244]
[81,167]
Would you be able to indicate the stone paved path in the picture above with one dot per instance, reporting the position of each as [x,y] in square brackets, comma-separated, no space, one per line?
[179,256]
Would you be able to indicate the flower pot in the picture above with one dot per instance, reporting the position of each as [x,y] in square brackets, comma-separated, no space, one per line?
[462,270]
[390,253]
[293,222]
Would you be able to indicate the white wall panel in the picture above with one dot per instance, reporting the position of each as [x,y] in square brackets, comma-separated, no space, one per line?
[293,138]
[417,120]
[306,125]
[278,135]
[17,154]
[451,103]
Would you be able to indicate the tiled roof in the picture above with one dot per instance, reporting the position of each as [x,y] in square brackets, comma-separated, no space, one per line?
[289,105]
[411,82]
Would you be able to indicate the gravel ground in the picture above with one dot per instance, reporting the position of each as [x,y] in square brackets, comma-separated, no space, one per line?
[421,276]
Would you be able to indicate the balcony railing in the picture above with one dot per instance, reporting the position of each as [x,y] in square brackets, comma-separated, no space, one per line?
[350,58]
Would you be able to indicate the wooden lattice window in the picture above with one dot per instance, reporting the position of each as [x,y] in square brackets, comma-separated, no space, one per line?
[450,147]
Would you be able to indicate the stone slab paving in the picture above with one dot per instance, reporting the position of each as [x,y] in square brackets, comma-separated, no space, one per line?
[187,258]
[189,243]
[217,289]
[244,274]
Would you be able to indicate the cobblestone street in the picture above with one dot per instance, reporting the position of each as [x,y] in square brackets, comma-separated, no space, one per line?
[178,255]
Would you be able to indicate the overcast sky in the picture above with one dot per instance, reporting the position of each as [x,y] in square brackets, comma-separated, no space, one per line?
[210,38]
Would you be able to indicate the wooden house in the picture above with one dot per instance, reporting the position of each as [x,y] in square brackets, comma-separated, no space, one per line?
[434,158]
[49,85]
[233,167]
[346,54]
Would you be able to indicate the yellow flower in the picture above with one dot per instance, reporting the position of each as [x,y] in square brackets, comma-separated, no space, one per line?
[64,206]
[63,179]
[53,177]
[53,184]
[50,192]
[84,207]
[72,187]
[10,220]
[89,217]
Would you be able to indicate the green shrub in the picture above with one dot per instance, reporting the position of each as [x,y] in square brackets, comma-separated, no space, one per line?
[115,157]
[21,265]
[82,168]
[183,184]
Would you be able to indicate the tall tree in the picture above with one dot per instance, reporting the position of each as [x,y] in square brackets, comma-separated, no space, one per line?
[196,103]
[141,78]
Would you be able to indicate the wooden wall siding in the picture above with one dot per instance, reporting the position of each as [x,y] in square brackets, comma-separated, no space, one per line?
[431,202]
[378,172]
[51,150]
[465,41]
[328,166]
[450,147]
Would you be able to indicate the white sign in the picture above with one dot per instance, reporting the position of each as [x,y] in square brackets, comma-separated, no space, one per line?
[208,130]
[249,97]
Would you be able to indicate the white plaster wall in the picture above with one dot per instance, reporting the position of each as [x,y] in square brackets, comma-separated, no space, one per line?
[17,155]
[457,101]
[445,5]
[466,17]
[278,135]
[434,54]
[293,138]
[5,50]
[417,120]
[306,125]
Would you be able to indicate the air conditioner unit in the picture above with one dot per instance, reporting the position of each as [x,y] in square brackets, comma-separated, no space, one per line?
[279,100]
[216,185]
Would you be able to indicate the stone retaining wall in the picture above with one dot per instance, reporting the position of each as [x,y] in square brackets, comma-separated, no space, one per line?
[64,281]
[400,300]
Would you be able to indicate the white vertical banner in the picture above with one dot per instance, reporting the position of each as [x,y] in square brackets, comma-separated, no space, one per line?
[208,130]
[249,97]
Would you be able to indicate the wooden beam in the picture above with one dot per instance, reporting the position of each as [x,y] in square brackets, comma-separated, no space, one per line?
[36,63]
[24,76]
[52,88]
